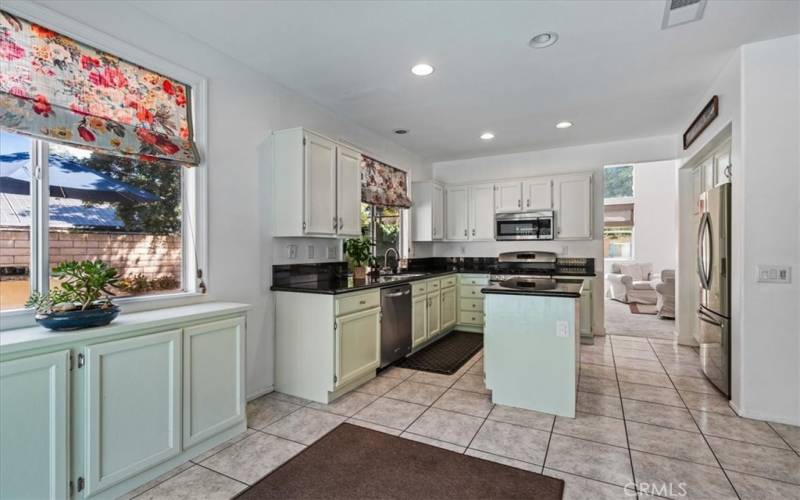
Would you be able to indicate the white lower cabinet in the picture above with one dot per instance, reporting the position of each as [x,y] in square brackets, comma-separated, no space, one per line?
[434,310]
[34,432]
[448,311]
[133,404]
[213,379]
[419,320]
[357,346]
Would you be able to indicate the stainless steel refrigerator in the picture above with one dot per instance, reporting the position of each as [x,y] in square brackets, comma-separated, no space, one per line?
[713,269]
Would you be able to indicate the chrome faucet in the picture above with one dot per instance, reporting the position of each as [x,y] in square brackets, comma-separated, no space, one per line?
[386,268]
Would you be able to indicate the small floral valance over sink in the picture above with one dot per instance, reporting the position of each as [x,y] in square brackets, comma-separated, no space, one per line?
[58,89]
[383,185]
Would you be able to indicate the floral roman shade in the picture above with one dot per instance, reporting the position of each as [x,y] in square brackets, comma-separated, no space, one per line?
[55,88]
[383,185]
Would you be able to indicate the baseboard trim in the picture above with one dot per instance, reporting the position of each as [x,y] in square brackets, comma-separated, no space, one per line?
[260,393]
[760,416]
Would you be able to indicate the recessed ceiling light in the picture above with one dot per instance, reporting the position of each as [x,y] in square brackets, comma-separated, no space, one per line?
[400,131]
[487,136]
[422,69]
[543,40]
[563,124]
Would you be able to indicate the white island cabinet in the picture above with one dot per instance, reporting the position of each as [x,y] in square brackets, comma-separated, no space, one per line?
[100,411]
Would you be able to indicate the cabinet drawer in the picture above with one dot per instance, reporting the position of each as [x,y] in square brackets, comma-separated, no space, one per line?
[419,288]
[471,318]
[471,305]
[357,302]
[471,292]
[474,279]
[433,285]
[448,281]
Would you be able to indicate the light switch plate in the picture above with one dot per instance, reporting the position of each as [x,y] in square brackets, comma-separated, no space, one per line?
[291,251]
[774,274]
[332,253]
[310,251]
[562,329]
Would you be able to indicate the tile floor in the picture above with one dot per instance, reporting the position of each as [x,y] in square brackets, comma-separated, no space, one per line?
[646,419]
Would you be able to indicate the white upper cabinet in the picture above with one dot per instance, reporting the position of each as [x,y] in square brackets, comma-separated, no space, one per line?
[537,194]
[572,197]
[316,185]
[427,213]
[348,191]
[456,213]
[508,197]
[481,212]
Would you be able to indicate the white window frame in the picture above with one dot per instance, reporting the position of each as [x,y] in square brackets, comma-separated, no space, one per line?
[194,190]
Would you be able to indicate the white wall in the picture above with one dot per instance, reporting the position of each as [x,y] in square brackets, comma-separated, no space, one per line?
[243,108]
[655,198]
[760,98]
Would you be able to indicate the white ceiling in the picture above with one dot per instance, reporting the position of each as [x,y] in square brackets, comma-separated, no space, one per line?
[614,72]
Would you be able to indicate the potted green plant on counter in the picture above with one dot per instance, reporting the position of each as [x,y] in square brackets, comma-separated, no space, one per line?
[359,254]
[81,300]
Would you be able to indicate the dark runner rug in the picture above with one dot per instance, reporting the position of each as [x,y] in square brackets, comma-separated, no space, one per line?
[356,463]
[446,355]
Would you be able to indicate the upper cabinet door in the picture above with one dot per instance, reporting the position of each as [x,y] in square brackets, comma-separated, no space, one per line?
[538,194]
[348,191]
[34,395]
[438,213]
[573,205]
[481,212]
[456,213]
[320,185]
[508,197]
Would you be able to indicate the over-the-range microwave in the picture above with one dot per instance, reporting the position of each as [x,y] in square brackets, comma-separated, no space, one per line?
[524,226]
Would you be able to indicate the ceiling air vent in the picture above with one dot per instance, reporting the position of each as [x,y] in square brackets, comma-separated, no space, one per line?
[679,12]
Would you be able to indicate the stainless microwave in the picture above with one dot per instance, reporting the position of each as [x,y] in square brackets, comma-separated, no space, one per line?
[524,226]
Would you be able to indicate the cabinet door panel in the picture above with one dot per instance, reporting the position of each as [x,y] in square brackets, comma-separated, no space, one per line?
[213,379]
[320,185]
[448,311]
[357,345]
[508,197]
[481,212]
[573,201]
[438,213]
[538,194]
[348,191]
[434,316]
[456,214]
[34,395]
[133,407]
[419,321]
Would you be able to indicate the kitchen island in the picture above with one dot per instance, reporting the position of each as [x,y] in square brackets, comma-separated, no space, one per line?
[532,344]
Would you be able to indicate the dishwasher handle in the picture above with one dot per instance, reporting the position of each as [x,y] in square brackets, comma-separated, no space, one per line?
[396,294]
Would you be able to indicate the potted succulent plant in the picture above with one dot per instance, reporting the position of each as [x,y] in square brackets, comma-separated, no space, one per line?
[359,253]
[82,298]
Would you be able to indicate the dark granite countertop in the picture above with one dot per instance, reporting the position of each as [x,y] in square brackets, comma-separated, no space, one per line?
[564,288]
[335,286]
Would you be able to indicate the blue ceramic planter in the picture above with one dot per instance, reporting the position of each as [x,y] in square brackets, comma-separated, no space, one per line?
[75,320]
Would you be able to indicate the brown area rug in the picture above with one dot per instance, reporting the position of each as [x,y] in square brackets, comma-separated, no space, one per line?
[354,463]
[643,308]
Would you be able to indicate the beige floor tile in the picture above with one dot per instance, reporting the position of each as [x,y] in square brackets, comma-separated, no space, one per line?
[580,488]
[643,377]
[519,464]
[790,433]
[639,364]
[471,383]
[661,475]
[598,371]
[588,459]
[672,443]
[694,384]
[606,430]
[222,446]
[476,368]
[414,392]
[647,355]
[758,488]
[195,482]
[598,404]
[656,414]
[347,405]
[306,425]
[288,398]
[155,482]
[374,427]
[525,418]
[772,463]
[397,372]
[512,441]
[470,403]
[265,410]
[682,370]
[651,394]
[706,402]
[738,429]
[379,385]
[597,359]
[435,378]
[253,457]
[433,442]
[391,413]
[598,385]
[455,428]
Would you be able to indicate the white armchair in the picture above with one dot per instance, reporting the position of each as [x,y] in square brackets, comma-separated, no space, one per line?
[665,304]
[632,282]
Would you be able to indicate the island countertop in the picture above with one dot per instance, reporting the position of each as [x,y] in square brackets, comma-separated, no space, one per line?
[570,288]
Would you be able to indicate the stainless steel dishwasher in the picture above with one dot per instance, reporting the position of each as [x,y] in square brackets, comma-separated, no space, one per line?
[396,323]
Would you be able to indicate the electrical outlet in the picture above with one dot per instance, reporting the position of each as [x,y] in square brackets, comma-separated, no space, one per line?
[774,274]
[332,252]
[463,249]
[562,329]
[564,250]
[291,251]
[310,251]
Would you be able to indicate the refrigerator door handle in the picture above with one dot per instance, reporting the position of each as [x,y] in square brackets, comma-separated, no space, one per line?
[702,272]
[708,319]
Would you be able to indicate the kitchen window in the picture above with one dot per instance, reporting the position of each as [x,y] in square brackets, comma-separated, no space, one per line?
[618,212]
[384,227]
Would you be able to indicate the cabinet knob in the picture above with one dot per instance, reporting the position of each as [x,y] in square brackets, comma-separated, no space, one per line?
[528,204]
[465,232]
[473,306]
[473,231]
[519,203]
[341,223]
[334,224]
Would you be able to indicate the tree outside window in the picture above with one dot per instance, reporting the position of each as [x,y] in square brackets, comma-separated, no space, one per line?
[383,226]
